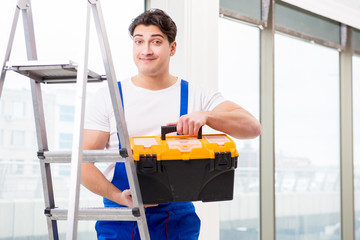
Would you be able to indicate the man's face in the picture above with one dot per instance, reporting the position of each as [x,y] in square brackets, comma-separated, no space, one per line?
[151,50]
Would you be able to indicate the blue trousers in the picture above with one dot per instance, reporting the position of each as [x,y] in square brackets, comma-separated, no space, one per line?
[174,221]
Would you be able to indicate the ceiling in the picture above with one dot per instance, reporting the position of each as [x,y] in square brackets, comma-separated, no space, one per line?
[344,11]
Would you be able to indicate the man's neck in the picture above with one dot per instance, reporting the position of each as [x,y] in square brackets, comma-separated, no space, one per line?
[153,82]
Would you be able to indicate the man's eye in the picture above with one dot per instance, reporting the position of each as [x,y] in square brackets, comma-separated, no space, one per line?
[157,42]
[137,41]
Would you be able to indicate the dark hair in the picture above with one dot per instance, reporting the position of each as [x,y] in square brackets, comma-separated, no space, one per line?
[157,18]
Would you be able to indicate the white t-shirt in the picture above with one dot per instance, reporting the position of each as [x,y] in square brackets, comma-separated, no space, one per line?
[145,110]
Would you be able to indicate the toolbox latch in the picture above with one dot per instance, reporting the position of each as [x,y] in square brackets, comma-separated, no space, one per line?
[148,163]
[222,161]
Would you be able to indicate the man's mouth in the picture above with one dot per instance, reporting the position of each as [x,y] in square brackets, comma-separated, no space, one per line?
[147,59]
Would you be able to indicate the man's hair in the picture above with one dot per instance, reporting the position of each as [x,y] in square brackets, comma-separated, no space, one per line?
[157,18]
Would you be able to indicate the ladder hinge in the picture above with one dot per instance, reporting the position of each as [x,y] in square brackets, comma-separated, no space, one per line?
[136,212]
[124,153]
[41,155]
[23,4]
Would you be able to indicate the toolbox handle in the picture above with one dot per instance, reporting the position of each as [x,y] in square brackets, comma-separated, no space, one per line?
[169,129]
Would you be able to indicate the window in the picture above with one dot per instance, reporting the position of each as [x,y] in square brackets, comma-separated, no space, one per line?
[239,82]
[1,137]
[249,8]
[18,138]
[65,140]
[18,110]
[307,23]
[356,39]
[17,167]
[67,113]
[2,104]
[64,170]
[307,153]
[35,168]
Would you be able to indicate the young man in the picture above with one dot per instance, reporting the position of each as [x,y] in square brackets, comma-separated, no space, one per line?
[154,98]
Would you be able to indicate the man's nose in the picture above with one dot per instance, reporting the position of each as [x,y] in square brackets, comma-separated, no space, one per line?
[147,50]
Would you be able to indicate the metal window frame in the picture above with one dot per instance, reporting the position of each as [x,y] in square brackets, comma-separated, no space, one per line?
[238,16]
[267,138]
[346,137]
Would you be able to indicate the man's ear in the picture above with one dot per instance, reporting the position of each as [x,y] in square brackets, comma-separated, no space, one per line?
[172,48]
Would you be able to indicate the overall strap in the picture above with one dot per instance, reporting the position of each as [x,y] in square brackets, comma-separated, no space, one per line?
[184,97]
[122,101]
[120,89]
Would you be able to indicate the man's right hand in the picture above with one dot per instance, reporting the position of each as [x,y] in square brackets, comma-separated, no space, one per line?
[127,200]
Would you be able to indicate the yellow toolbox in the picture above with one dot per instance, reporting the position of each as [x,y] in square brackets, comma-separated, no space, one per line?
[185,168]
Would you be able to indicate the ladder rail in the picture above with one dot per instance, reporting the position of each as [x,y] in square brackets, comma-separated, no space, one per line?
[78,136]
[9,47]
[25,6]
[120,117]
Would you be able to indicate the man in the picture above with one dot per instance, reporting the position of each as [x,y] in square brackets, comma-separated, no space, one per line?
[153,98]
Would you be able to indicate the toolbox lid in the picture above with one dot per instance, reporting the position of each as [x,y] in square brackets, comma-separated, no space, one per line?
[182,147]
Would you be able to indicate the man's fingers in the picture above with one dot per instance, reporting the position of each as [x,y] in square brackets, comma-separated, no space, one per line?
[197,128]
[150,205]
[191,128]
[179,127]
[185,128]
[128,199]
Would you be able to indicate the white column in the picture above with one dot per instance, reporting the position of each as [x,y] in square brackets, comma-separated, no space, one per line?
[196,60]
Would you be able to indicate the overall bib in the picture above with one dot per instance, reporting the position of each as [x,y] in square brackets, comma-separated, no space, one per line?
[174,221]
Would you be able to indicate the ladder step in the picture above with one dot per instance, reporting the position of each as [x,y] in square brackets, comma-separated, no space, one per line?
[88,156]
[118,214]
[51,72]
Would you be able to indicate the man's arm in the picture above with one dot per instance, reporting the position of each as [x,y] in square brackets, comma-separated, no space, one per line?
[93,179]
[227,117]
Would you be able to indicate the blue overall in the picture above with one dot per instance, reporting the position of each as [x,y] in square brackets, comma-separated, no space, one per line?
[175,221]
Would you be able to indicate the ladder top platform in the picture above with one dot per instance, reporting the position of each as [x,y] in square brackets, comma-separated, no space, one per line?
[51,72]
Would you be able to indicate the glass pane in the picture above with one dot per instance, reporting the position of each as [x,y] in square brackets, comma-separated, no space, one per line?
[65,140]
[18,110]
[1,108]
[18,138]
[306,140]
[356,118]
[1,137]
[67,113]
[249,8]
[306,23]
[57,38]
[239,82]
[356,39]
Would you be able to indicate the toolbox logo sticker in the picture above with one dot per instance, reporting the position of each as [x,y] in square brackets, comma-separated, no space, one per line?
[184,145]
[146,142]
[220,140]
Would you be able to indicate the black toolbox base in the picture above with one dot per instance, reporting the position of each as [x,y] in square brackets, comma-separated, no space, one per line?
[186,180]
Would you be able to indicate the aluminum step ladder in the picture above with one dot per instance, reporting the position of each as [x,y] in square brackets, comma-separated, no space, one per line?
[69,72]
